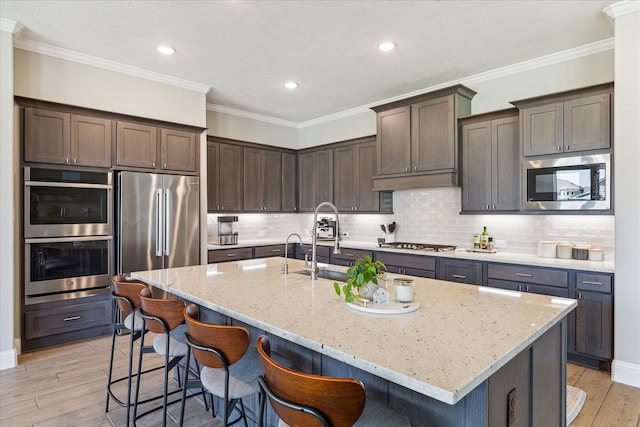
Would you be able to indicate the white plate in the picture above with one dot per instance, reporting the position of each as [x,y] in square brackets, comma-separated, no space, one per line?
[387,308]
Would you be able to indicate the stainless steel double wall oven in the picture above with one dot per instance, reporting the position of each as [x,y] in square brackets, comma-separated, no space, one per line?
[68,231]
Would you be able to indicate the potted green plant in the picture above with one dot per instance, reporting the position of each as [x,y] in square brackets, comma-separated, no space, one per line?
[363,272]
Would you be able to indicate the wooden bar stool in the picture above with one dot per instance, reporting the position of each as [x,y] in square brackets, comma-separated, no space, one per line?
[165,318]
[126,299]
[301,399]
[230,368]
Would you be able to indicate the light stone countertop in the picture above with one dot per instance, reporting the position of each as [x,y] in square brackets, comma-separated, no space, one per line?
[461,253]
[458,338]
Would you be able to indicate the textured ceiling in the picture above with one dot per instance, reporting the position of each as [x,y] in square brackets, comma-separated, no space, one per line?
[246,50]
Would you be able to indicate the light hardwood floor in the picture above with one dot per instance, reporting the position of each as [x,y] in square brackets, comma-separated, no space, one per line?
[66,386]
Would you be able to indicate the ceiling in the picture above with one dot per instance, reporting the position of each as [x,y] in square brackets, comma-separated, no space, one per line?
[245,50]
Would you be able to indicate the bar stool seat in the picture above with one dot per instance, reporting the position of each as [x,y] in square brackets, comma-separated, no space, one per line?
[302,399]
[243,377]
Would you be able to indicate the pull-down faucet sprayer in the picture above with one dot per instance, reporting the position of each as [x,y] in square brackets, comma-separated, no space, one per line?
[285,266]
[336,239]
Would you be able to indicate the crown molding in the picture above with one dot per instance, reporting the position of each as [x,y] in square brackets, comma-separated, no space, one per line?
[81,58]
[253,116]
[9,26]
[619,9]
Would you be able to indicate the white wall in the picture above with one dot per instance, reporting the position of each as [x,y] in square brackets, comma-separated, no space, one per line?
[58,80]
[8,179]
[626,366]
[246,129]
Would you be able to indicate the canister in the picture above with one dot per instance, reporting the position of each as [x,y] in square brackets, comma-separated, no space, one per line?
[564,250]
[547,249]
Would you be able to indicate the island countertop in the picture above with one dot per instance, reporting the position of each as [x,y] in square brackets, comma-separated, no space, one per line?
[460,336]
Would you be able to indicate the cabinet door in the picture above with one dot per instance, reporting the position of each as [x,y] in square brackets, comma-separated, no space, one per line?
[476,166]
[594,324]
[394,141]
[367,200]
[213,153]
[272,180]
[505,179]
[542,129]
[433,142]
[90,141]
[230,177]
[306,178]
[587,123]
[46,136]
[178,150]
[345,184]
[253,180]
[323,176]
[289,182]
[136,145]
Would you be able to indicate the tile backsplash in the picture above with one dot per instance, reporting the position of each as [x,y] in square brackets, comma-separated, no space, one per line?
[433,216]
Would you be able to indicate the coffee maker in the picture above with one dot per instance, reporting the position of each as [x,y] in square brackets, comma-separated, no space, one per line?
[227,234]
[325,229]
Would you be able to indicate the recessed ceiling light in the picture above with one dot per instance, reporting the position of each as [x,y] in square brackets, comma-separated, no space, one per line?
[166,50]
[386,46]
[291,85]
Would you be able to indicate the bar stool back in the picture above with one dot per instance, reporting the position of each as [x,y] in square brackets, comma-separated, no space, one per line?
[301,399]
[126,296]
[230,367]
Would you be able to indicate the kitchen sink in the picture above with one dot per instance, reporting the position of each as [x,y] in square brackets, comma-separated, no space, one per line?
[338,276]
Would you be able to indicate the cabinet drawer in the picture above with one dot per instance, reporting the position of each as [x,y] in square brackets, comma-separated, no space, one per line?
[321,251]
[593,282]
[53,321]
[224,255]
[409,261]
[535,289]
[540,276]
[273,250]
[468,272]
[352,255]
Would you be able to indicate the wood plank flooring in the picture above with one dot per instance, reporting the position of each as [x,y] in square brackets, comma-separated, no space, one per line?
[66,386]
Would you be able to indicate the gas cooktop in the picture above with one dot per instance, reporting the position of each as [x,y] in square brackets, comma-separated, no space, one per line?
[417,246]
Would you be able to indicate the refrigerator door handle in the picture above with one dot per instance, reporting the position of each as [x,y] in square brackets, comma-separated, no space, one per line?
[167,222]
[159,221]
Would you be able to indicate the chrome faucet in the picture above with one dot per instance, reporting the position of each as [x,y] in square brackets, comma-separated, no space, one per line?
[285,266]
[336,239]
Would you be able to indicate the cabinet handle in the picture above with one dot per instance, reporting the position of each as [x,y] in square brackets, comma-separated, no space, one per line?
[231,255]
[164,165]
[153,164]
[66,160]
[589,282]
[275,250]
[579,295]
[415,168]
[406,169]
[566,147]
[75,161]
[351,255]
[488,207]
[67,319]
[493,207]
[559,148]
[524,275]
[458,276]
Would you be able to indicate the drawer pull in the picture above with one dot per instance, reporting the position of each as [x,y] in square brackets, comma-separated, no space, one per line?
[458,276]
[524,275]
[231,255]
[351,255]
[275,250]
[589,282]
[68,319]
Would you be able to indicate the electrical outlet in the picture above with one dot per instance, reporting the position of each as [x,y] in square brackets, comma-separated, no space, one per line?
[501,244]
[511,407]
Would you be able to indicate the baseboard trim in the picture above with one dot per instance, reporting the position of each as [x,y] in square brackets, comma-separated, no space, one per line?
[8,359]
[625,373]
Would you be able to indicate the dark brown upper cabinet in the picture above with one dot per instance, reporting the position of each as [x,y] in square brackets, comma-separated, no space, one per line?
[262,180]
[491,162]
[566,122]
[354,168]
[417,139]
[143,146]
[58,137]
[315,178]
[225,179]
[289,182]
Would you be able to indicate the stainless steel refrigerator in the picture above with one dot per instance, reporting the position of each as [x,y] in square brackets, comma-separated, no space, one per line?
[158,221]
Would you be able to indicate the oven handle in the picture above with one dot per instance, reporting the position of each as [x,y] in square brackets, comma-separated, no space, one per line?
[159,222]
[67,185]
[66,239]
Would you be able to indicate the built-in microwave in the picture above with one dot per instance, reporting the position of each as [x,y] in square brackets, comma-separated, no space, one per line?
[568,183]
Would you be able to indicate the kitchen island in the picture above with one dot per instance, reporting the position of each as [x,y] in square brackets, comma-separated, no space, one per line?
[468,357]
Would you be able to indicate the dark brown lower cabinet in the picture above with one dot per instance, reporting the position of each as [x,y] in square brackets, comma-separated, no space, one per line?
[412,265]
[348,256]
[461,271]
[225,255]
[594,328]
[272,250]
